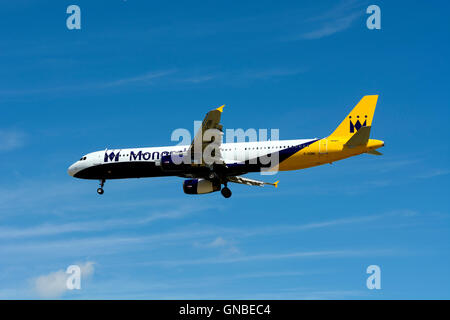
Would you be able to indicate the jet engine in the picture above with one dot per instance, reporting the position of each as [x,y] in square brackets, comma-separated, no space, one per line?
[200,186]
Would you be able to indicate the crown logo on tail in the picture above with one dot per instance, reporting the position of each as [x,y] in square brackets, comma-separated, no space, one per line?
[357,125]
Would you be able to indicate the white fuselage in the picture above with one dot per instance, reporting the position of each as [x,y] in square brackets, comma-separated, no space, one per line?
[232,153]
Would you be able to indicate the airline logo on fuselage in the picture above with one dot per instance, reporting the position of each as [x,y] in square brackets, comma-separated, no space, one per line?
[357,125]
[112,156]
[138,156]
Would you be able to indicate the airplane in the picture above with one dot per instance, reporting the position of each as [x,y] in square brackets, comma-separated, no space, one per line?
[231,160]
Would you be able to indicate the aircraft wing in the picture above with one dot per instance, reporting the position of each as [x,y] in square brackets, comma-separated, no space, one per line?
[208,136]
[251,182]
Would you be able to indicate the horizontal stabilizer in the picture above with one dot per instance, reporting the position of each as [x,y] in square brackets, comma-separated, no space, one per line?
[251,182]
[374,152]
[360,138]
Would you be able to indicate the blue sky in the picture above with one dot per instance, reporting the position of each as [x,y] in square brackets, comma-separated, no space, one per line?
[137,70]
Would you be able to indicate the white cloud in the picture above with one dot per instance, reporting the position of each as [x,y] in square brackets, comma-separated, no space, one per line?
[11,139]
[205,237]
[433,173]
[143,79]
[245,75]
[87,269]
[337,19]
[227,247]
[272,73]
[218,242]
[53,285]
[199,78]
[275,256]
[331,27]
[95,225]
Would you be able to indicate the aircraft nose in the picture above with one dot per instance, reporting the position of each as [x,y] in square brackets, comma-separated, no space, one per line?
[72,169]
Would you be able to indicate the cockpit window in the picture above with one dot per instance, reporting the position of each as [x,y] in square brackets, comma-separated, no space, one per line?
[84,158]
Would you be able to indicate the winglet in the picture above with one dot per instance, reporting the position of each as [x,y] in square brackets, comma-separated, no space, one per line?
[276,184]
[220,108]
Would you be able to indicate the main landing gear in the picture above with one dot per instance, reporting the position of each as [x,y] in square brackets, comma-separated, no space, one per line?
[213,176]
[219,178]
[100,190]
[226,192]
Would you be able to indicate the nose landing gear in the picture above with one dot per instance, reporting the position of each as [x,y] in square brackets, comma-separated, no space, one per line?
[100,190]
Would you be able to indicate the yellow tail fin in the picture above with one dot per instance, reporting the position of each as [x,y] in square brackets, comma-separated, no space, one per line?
[360,116]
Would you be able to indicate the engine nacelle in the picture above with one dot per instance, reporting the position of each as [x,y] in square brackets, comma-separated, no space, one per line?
[200,186]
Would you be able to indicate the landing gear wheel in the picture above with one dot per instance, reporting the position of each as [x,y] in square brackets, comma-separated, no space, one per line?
[226,192]
[212,176]
[100,190]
